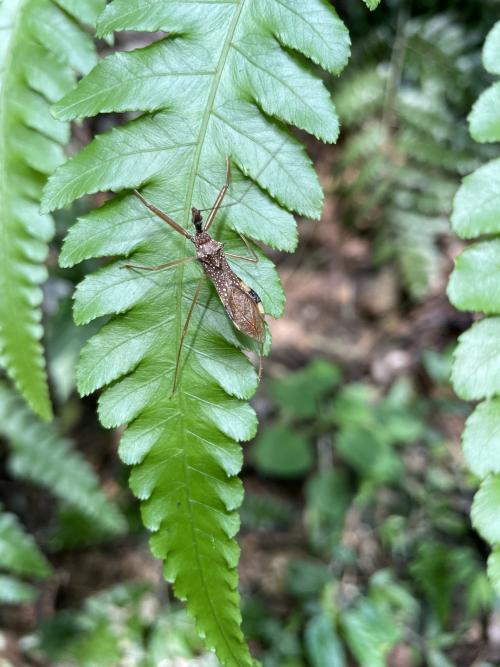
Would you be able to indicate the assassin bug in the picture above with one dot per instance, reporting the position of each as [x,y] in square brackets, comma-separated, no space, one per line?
[242,304]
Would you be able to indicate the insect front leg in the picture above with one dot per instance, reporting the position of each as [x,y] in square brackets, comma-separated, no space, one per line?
[159,267]
[163,216]
[253,259]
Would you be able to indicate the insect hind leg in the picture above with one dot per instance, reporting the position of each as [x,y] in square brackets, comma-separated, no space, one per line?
[183,334]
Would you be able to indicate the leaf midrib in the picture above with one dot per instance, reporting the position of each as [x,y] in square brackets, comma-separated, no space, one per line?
[182,400]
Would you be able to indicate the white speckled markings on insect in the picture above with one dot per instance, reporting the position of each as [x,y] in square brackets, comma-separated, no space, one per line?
[242,304]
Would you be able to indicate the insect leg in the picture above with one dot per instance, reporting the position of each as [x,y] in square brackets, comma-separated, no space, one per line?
[184,332]
[255,178]
[220,197]
[159,267]
[163,216]
[254,258]
[261,360]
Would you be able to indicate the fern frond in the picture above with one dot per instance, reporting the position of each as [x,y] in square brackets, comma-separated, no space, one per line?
[473,285]
[19,555]
[222,83]
[405,152]
[40,455]
[41,46]
[415,244]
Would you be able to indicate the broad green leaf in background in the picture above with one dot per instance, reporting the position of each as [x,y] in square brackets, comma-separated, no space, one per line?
[282,452]
[323,646]
[328,497]
[300,393]
[41,49]
[369,634]
[474,286]
[224,81]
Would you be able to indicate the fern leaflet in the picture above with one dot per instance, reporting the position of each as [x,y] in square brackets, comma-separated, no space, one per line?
[19,555]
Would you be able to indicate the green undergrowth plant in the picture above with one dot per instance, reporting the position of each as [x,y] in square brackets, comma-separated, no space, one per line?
[38,454]
[44,46]
[224,82]
[140,631]
[19,557]
[406,145]
[390,559]
[473,287]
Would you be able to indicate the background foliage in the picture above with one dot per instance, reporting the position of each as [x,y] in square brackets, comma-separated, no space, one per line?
[356,542]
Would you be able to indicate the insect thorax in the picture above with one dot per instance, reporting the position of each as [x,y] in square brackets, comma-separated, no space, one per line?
[206,246]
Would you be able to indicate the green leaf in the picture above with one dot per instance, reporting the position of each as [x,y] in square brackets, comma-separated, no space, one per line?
[491,50]
[476,209]
[39,454]
[328,496]
[282,452]
[300,392]
[476,367]
[369,453]
[472,285]
[494,569]
[481,439]
[485,509]
[13,591]
[224,81]
[370,635]
[372,4]
[19,553]
[40,47]
[87,11]
[323,646]
[484,118]
[354,405]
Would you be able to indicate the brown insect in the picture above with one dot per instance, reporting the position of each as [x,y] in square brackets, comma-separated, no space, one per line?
[243,305]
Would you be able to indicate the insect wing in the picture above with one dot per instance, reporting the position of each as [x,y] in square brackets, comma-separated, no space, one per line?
[245,309]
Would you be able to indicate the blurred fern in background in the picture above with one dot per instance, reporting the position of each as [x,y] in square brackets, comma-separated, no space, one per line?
[406,144]
[19,556]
